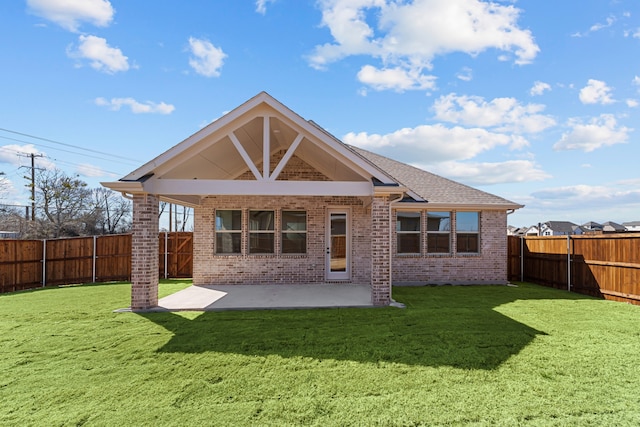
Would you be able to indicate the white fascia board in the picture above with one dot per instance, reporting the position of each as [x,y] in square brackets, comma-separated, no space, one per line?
[389,189]
[210,187]
[457,206]
[131,187]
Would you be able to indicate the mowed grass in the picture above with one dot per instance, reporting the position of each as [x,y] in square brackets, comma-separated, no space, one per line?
[486,355]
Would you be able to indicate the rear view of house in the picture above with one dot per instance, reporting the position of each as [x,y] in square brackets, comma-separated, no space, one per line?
[278,200]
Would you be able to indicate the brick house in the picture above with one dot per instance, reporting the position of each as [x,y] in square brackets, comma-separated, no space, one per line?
[278,200]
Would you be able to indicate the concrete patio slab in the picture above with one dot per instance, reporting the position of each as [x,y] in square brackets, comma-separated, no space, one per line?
[253,297]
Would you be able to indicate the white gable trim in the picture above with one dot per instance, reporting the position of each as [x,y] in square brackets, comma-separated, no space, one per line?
[323,140]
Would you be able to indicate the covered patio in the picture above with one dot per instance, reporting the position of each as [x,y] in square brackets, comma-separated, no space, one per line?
[259,297]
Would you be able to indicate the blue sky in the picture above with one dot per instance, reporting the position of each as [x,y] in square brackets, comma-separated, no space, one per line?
[535,101]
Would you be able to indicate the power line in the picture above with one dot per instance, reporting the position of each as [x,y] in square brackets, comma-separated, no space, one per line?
[58,149]
[66,145]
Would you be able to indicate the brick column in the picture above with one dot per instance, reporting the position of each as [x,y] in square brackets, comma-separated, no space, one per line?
[380,251]
[144,252]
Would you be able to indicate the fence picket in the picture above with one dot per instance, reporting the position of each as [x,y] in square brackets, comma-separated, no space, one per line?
[27,264]
[603,265]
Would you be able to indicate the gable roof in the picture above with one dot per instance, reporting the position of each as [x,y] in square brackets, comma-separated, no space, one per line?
[435,189]
[235,155]
[561,226]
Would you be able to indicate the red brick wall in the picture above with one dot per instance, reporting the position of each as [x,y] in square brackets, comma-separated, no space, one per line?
[489,266]
[144,255]
[245,268]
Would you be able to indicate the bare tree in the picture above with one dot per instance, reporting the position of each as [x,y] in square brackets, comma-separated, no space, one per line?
[63,204]
[111,211]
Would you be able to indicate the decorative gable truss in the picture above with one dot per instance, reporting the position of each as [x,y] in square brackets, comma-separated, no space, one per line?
[252,151]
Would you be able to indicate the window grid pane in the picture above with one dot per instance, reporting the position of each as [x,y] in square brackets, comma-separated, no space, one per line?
[467,232]
[228,231]
[438,232]
[261,232]
[408,232]
[294,232]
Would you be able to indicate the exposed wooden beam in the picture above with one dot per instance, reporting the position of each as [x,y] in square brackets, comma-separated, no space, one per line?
[287,156]
[245,155]
[266,147]
[206,187]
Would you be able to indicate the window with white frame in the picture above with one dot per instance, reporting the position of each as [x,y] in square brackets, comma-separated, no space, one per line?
[408,232]
[468,232]
[261,232]
[229,231]
[438,232]
[294,232]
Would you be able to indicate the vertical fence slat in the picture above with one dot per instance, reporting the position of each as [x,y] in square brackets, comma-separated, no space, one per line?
[26,265]
[605,266]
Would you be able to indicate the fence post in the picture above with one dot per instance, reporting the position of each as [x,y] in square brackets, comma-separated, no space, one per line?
[569,262]
[44,262]
[522,258]
[94,259]
[166,254]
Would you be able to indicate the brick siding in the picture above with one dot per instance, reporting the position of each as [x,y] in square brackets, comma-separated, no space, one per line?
[277,268]
[489,266]
[144,255]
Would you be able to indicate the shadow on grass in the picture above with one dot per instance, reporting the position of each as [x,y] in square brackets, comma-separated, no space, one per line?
[443,326]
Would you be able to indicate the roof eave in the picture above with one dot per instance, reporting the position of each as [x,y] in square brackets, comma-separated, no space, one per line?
[458,206]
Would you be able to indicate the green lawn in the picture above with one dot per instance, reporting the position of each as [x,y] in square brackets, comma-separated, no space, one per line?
[489,355]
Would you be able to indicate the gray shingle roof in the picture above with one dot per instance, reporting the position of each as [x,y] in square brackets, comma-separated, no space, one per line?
[431,187]
[561,226]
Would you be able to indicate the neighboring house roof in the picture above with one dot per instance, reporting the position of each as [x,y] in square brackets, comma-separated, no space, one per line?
[561,226]
[591,225]
[631,224]
[613,226]
[216,160]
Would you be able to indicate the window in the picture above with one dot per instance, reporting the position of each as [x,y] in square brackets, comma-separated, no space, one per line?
[467,231]
[408,232]
[438,232]
[228,231]
[261,232]
[294,232]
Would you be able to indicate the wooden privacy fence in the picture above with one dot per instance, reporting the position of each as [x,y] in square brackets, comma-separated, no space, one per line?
[27,264]
[605,265]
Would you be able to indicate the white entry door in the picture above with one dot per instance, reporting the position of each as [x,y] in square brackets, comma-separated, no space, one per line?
[338,258]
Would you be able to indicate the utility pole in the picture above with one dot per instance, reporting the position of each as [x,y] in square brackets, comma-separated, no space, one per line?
[33,182]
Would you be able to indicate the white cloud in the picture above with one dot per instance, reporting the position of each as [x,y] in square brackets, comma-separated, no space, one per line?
[16,155]
[432,144]
[70,13]
[410,35]
[632,103]
[136,107]
[504,114]
[490,173]
[207,60]
[539,88]
[466,74]
[261,5]
[599,26]
[102,57]
[397,79]
[596,92]
[589,195]
[599,132]
[92,171]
